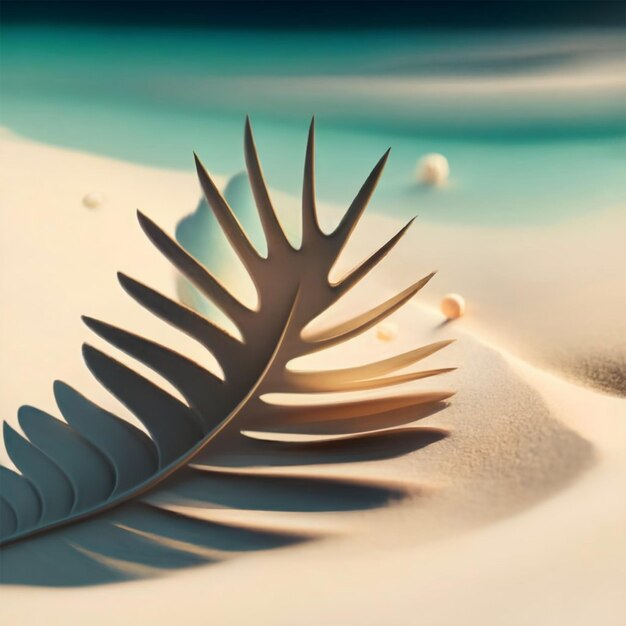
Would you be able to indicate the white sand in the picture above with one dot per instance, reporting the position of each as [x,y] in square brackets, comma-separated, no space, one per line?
[473,549]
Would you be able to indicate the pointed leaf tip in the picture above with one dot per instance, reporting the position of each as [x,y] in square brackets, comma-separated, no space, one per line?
[87,349]
[88,321]
[144,221]
[350,219]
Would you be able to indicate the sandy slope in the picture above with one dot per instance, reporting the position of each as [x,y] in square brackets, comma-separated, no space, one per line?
[518,434]
[552,294]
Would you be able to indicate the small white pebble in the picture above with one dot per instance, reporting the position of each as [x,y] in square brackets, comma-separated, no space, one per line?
[433,169]
[93,200]
[387,331]
[452,306]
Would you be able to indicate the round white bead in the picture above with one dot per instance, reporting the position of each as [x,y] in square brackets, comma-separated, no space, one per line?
[433,169]
[452,306]
[93,200]
[387,331]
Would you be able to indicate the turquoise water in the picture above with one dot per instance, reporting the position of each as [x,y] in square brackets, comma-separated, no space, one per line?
[532,124]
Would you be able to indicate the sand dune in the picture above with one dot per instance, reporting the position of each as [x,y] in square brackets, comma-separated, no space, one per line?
[514,515]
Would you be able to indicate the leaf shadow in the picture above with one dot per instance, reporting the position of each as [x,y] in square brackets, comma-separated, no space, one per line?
[179,525]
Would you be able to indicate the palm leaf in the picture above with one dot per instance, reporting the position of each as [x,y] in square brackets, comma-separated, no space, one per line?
[156,499]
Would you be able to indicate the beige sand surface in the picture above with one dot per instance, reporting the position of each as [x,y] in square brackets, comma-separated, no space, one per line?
[521,515]
[553,294]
